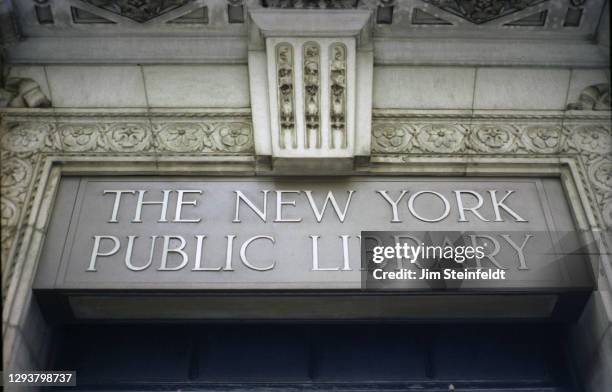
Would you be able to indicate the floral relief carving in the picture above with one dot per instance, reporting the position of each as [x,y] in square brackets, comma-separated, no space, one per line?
[601,173]
[390,137]
[17,174]
[79,137]
[24,137]
[129,137]
[184,137]
[234,137]
[592,138]
[444,138]
[9,213]
[230,137]
[493,138]
[543,138]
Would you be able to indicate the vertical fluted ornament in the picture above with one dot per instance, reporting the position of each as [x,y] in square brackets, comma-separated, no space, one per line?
[337,92]
[286,106]
[312,83]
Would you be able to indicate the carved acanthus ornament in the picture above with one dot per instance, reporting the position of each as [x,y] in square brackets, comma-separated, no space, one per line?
[284,71]
[312,92]
[337,98]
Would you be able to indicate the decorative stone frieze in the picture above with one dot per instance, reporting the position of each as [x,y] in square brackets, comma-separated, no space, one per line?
[142,136]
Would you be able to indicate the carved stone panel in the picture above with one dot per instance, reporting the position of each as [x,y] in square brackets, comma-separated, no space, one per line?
[312,96]
[286,94]
[312,93]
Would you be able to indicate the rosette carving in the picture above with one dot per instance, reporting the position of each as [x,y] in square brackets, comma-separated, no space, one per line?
[600,173]
[25,137]
[79,137]
[543,138]
[391,137]
[444,138]
[184,137]
[592,138]
[130,137]
[233,137]
[493,138]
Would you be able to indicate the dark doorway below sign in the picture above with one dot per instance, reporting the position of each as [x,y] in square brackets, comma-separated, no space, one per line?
[316,357]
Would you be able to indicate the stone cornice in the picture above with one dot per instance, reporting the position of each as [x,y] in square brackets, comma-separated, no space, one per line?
[21,114]
[493,114]
[18,114]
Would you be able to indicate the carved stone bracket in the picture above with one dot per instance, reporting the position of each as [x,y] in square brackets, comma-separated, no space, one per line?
[23,93]
[595,97]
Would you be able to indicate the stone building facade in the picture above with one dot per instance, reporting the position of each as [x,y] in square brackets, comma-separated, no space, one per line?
[442,89]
